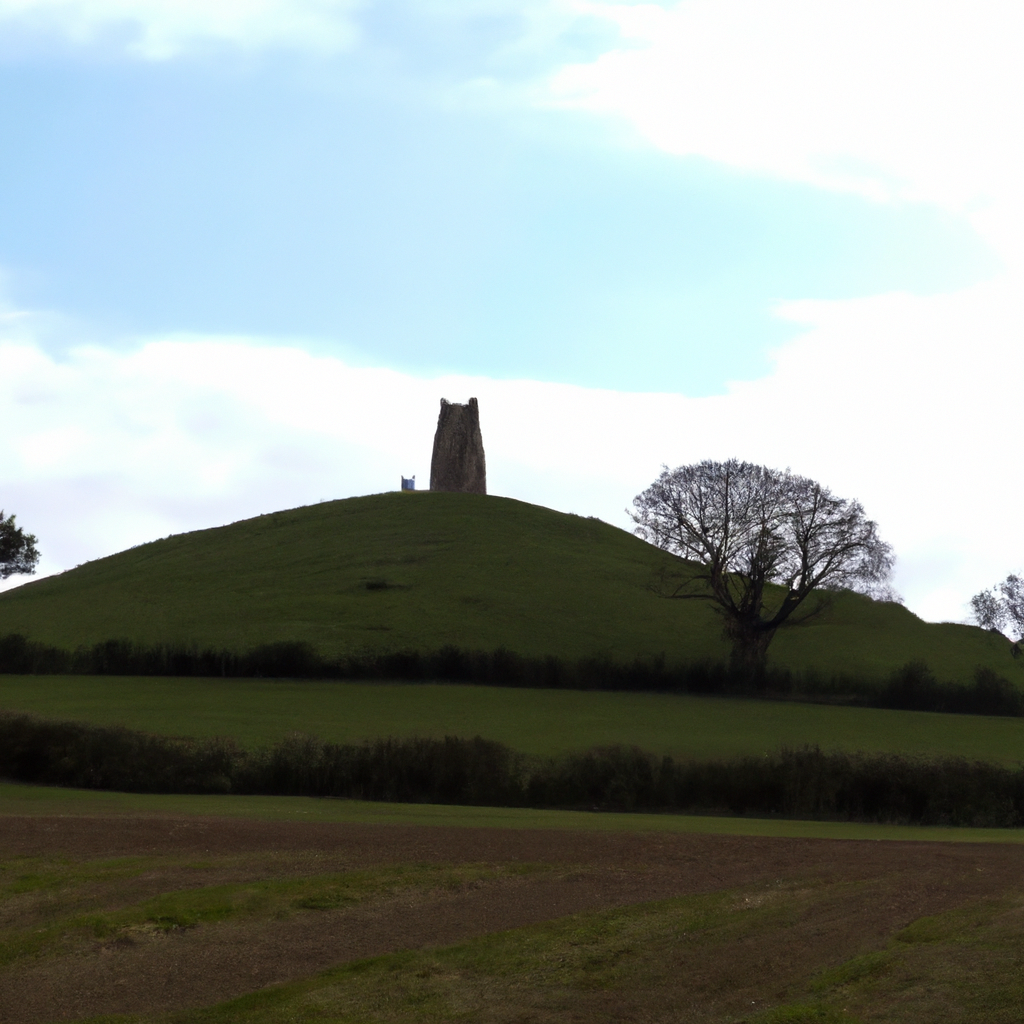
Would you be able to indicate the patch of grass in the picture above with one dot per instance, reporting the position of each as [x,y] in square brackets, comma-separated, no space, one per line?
[962,966]
[258,712]
[207,904]
[859,969]
[40,875]
[955,926]
[475,572]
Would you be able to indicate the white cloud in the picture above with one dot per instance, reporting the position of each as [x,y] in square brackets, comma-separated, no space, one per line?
[508,33]
[895,99]
[878,399]
[160,29]
[911,403]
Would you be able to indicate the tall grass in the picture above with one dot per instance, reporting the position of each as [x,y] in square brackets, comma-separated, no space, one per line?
[806,783]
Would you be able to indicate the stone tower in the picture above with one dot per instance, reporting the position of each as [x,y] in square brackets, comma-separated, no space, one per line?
[458,460]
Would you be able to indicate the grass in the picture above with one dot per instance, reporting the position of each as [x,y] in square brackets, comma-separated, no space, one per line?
[396,571]
[565,966]
[17,799]
[257,712]
[963,966]
[73,900]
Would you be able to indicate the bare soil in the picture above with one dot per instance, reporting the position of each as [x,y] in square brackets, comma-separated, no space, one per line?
[152,971]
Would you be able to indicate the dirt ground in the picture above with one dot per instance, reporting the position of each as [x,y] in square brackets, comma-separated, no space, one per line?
[896,883]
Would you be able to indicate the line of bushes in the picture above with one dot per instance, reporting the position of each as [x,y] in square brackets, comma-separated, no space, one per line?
[299,660]
[806,783]
[912,687]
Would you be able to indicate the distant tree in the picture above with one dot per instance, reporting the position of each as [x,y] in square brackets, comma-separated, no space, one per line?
[17,549]
[1001,606]
[763,541]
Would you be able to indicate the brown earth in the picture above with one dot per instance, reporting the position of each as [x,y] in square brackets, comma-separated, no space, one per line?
[876,889]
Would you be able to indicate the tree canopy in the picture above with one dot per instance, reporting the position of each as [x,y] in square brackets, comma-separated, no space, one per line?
[760,541]
[1002,606]
[18,552]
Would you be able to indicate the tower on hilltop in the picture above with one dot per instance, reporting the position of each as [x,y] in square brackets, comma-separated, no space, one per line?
[458,460]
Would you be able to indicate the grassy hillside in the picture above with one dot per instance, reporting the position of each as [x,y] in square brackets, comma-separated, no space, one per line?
[421,570]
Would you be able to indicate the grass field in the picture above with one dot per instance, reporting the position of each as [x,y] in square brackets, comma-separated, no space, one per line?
[18,800]
[396,571]
[258,712]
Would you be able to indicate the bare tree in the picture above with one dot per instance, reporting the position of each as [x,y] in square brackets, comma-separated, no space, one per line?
[1002,606]
[17,549]
[763,541]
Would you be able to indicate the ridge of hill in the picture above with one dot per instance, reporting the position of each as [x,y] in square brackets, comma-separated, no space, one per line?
[421,570]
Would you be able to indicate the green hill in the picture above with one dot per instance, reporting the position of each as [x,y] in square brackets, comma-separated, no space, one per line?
[404,571]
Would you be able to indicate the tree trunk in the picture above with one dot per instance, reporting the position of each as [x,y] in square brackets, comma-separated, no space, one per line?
[749,657]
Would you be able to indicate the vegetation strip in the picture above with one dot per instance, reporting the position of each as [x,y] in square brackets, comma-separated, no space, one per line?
[806,783]
[913,687]
[23,801]
[543,723]
[189,907]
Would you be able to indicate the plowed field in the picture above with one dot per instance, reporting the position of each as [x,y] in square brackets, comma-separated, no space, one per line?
[154,916]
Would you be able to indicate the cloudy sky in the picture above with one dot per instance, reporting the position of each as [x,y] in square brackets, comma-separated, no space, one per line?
[247,245]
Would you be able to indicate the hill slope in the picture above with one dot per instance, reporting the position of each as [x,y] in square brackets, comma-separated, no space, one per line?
[420,570]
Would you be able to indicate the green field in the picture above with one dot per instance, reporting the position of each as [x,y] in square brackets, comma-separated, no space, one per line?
[19,799]
[394,572]
[258,712]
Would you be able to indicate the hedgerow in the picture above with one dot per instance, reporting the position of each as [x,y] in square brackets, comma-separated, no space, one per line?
[912,687]
[804,783]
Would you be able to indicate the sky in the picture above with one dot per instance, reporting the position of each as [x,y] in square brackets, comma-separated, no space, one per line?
[246,246]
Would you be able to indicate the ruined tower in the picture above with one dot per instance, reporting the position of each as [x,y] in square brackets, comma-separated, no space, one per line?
[458,460]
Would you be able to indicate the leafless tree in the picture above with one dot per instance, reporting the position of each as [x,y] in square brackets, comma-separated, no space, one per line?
[759,542]
[1002,606]
[17,549]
